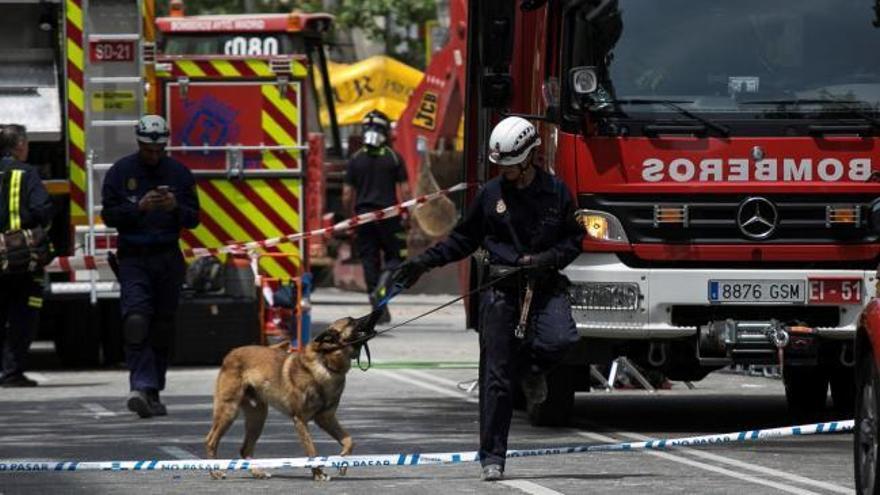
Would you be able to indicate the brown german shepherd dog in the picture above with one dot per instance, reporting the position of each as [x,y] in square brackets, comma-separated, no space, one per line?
[305,385]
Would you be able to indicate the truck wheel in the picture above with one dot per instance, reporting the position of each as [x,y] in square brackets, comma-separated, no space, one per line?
[556,410]
[843,389]
[77,336]
[866,453]
[806,388]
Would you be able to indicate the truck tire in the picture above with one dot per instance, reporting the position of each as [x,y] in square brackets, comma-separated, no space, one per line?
[866,444]
[556,410]
[77,336]
[806,388]
[843,389]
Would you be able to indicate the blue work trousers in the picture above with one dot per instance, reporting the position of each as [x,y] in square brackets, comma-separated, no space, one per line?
[504,357]
[150,288]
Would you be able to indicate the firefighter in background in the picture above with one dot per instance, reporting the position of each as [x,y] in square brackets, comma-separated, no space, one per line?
[149,197]
[24,204]
[525,220]
[375,178]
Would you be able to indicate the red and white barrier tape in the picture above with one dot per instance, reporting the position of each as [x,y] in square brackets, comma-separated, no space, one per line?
[73,263]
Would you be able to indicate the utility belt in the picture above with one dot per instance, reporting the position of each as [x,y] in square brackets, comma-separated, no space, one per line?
[514,278]
[24,250]
[136,251]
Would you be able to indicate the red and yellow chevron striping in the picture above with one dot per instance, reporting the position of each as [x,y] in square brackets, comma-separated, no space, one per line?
[75,109]
[228,68]
[280,124]
[238,211]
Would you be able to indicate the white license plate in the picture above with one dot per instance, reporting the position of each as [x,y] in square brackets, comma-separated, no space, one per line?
[757,291]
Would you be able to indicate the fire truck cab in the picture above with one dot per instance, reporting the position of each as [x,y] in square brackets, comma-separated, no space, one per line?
[723,159]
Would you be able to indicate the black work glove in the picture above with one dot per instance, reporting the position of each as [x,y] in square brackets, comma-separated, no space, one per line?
[409,272]
[544,259]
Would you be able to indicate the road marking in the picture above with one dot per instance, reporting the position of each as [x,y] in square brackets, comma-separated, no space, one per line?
[178,453]
[433,378]
[529,487]
[98,410]
[752,467]
[398,375]
[38,377]
[704,466]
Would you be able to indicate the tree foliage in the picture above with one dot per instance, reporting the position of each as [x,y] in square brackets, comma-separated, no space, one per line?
[391,22]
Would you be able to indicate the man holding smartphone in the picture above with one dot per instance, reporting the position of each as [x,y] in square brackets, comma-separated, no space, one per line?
[149,197]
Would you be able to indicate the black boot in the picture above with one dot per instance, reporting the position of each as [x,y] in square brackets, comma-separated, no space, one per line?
[139,403]
[156,405]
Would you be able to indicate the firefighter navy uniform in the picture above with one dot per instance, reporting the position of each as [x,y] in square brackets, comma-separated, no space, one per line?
[150,265]
[24,204]
[374,173]
[535,223]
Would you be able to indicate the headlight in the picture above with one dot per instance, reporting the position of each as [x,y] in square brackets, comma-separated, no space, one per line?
[602,226]
[606,296]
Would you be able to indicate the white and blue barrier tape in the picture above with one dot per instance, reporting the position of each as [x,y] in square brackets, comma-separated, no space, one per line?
[416,459]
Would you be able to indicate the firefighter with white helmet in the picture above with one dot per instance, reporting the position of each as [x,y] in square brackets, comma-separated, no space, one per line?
[525,220]
[149,197]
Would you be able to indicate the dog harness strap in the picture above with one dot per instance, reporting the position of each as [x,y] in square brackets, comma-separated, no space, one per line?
[364,348]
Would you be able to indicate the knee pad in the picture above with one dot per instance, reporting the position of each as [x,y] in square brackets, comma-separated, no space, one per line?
[136,329]
[162,332]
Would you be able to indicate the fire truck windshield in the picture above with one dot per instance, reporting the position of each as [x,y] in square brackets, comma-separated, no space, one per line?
[731,59]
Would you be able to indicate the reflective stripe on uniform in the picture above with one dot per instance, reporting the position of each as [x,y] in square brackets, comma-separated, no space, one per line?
[35,302]
[15,200]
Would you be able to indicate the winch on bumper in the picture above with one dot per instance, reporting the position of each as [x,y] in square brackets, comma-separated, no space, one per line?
[732,314]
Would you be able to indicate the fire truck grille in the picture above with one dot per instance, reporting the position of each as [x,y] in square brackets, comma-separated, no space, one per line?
[712,219]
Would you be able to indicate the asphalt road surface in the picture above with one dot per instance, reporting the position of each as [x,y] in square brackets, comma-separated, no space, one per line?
[412,400]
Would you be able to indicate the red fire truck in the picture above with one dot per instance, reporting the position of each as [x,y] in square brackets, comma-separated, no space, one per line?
[722,155]
[243,120]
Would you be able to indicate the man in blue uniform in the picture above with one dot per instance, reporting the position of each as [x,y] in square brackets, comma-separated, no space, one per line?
[375,178]
[149,197]
[24,204]
[525,220]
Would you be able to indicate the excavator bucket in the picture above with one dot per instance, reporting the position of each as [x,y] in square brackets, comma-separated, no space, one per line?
[436,217]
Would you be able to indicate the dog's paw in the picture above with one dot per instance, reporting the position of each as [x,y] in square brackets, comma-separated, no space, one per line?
[217,475]
[260,474]
[318,474]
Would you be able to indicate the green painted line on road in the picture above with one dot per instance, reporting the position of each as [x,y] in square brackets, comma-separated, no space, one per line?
[425,364]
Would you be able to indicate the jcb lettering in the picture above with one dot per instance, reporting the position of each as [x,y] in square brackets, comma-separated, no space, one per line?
[426,117]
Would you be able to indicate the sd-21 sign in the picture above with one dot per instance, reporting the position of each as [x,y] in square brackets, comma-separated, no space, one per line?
[251,46]
[111,51]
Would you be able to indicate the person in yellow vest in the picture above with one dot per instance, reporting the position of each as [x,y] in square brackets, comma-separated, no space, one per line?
[24,204]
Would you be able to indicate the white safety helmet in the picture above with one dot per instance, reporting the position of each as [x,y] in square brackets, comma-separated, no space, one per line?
[511,141]
[152,129]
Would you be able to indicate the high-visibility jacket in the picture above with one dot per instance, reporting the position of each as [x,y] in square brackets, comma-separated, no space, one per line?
[24,201]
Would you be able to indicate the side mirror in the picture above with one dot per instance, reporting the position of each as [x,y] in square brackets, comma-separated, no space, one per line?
[874,217]
[584,81]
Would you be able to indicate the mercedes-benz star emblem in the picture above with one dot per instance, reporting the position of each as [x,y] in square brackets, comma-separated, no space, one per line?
[757,218]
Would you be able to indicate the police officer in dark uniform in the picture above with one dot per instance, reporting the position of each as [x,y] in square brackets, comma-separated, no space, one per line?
[24,204]
[149,197]
[372,179]
[525,220]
